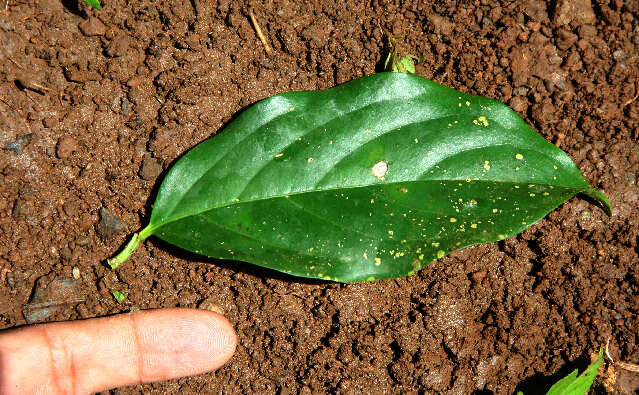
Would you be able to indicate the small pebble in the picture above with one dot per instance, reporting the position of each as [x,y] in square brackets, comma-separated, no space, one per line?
[76,273]
[478,276]
[82,310]
[109,224]
[66,146]
[118,46]
[151,168]
[92,27]
[50,122]
[209,304]
[134,82]
[70,207]
[17,145]
[82,241]
[619,54]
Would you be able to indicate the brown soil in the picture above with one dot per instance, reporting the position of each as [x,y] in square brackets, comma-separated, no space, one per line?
[96,105]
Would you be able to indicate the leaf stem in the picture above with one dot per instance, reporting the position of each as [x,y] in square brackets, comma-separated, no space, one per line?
[600,197]
[131,246]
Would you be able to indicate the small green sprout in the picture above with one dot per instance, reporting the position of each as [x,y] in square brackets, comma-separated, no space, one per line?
[397,62]
[94,3]
[576,385]
[118,295]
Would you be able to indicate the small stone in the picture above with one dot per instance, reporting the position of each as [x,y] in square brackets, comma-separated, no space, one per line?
[48,297]
[535,9]
[151,168]
[619,54]
[18,145]
[76,273]
[50,122]
[109,224]
[478,276]
[70,207]
[81,76]
[66,146]
[82,241]
[519,104]
[210,305]
[579,12]
[566,39]
[441,25]
[118,46]
[521,91]
[291,42]
[21,209]
[92,27]
[543,113]
[134,82]
[82,310]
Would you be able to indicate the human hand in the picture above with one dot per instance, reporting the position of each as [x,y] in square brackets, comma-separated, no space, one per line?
[92,355]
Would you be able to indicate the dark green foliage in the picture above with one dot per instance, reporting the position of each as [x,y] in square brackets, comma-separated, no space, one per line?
[372,179]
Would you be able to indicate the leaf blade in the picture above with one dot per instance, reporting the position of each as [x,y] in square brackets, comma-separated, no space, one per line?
[300,151]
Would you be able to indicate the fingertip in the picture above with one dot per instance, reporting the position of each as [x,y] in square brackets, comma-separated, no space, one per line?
[180,342]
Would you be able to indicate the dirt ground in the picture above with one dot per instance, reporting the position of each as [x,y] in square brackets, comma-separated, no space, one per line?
[96,105]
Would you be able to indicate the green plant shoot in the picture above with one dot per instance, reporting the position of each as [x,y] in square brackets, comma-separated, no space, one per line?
[576,385]
[94,3]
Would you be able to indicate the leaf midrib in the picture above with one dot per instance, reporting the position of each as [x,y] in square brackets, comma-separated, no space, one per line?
[152,227]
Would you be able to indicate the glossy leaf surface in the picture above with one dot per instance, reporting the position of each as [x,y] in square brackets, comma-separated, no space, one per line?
[368,180]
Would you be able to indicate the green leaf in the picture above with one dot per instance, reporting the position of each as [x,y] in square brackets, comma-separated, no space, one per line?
[93,3]
[118,295]
[573,385]
[368,180]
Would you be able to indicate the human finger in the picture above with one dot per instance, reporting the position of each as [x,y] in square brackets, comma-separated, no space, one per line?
[92,355]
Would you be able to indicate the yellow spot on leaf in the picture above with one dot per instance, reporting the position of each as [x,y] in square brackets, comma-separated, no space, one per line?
[378,261]
[453,219]
[519,156]
[440,254]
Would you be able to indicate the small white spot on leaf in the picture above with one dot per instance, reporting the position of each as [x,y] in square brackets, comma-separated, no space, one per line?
[380,169]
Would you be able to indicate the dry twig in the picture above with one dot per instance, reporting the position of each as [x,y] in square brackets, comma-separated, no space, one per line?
[267,47]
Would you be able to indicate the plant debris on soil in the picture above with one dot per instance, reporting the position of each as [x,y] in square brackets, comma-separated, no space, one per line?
[96,105]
